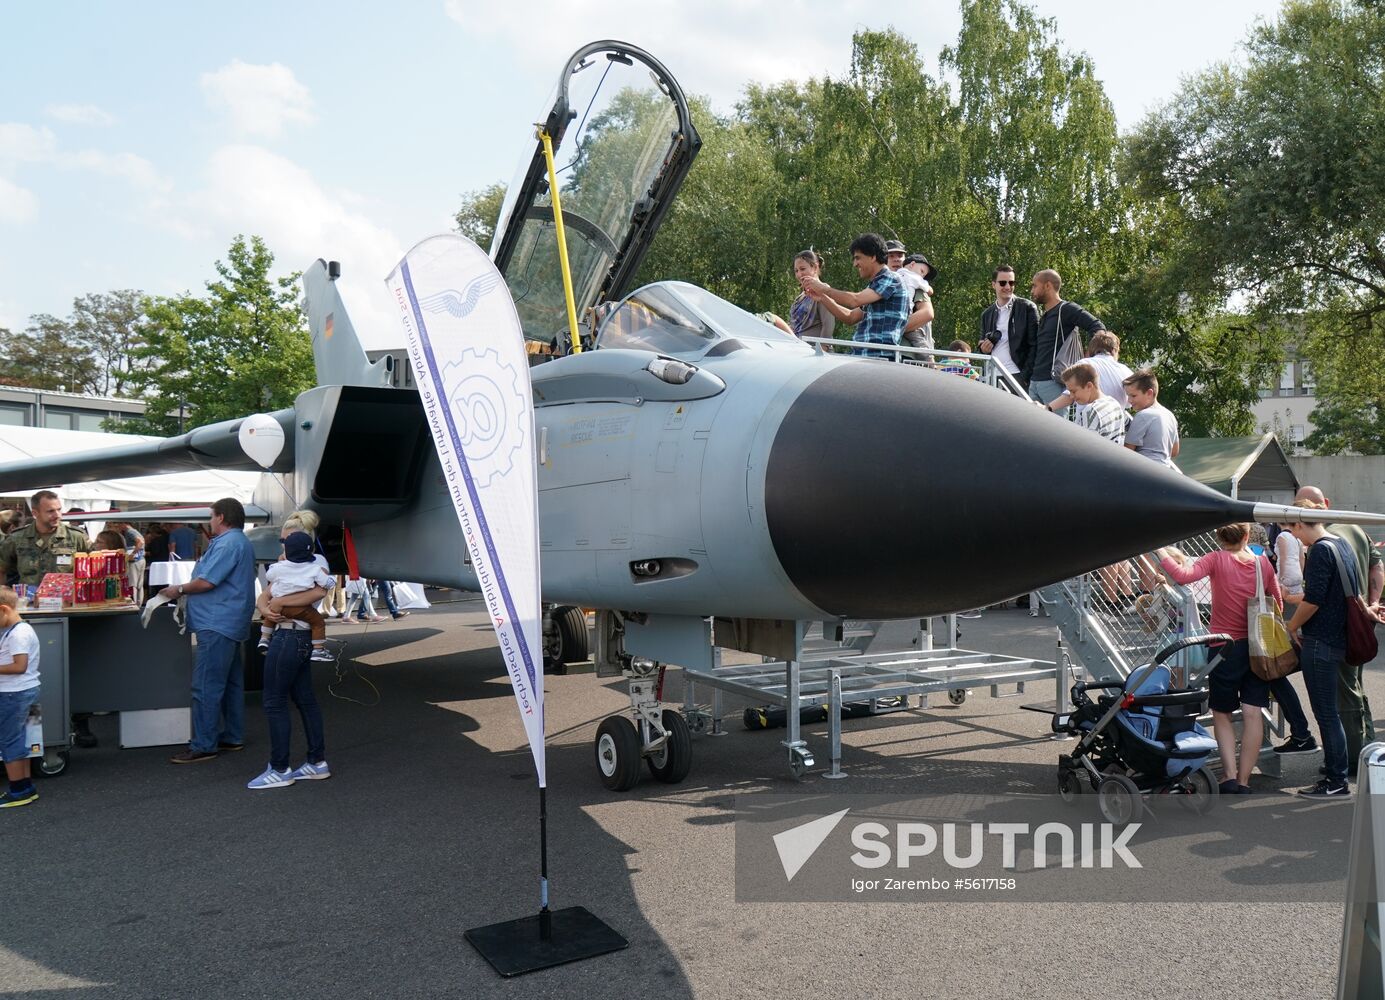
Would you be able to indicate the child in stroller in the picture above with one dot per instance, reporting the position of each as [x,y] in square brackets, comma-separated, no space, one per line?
[1138,737]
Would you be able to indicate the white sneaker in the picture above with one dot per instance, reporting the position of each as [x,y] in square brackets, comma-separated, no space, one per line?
[272,779]
[321,654]
[311,772]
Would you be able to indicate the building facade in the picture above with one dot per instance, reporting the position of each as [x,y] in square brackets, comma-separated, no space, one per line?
[21,406]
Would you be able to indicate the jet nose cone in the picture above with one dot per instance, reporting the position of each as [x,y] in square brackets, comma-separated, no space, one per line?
[893,491]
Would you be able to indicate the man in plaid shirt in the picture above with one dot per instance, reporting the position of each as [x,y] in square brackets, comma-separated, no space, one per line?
[880,310]
[1096,411]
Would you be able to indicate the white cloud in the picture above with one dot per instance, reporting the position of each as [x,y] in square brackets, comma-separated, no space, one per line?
[21,143]
[697,42]
[260,100]
[253,190]
[135,169]
[79,114]
[17,205]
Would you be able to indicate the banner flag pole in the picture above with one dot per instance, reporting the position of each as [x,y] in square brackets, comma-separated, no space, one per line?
[467,349]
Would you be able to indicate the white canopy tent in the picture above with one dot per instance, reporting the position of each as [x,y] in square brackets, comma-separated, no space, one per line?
[202,487]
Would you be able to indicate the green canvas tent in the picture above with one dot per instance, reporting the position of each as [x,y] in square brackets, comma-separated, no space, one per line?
[1247,468]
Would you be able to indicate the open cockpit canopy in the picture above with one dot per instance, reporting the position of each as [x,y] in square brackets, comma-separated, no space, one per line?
[623,142]
[684,321]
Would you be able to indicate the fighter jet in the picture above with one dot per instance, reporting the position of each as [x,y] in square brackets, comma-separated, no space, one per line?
[695,463]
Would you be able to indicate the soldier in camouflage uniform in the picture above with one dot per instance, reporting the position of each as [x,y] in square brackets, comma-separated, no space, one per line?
[45,545]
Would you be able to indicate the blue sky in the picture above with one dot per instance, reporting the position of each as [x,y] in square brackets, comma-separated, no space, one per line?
[137,139]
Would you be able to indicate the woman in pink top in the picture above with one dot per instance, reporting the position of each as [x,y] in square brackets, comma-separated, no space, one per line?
[1231,682]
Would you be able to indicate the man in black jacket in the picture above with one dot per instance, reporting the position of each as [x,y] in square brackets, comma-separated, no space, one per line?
[1057,322]
[1008,326]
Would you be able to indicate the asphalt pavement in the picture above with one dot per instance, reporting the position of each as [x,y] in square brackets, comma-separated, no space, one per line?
[132,877]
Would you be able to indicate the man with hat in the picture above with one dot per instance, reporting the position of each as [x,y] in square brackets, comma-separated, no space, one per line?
[916,274]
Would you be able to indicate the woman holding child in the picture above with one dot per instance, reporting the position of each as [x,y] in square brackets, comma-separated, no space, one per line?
[288,659]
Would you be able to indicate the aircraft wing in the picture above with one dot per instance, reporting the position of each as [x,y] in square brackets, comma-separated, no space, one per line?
[187,514]
[215,446]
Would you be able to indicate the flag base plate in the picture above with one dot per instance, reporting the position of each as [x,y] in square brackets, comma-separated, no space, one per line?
[514,946]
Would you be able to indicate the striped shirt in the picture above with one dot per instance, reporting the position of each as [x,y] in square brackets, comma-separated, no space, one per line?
[1105,416]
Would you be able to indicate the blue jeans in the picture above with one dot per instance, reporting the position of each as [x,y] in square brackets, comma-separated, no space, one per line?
[288,674]
[14,721]
[1045,390]
[386,591]
[218,692]
[1287,697]
[1320,665]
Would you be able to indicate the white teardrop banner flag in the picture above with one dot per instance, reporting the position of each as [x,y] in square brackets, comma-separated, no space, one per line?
[467,351]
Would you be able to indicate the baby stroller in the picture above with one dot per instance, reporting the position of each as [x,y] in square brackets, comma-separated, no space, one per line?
[1139,737]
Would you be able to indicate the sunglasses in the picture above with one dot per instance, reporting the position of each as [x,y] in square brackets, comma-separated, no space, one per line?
[1006,283]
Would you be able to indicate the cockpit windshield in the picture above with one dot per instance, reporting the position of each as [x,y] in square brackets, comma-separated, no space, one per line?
[623,144]
[683,320]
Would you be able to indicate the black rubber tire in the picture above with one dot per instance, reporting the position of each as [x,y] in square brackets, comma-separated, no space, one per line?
[42,768]
[618,753]
[1119,799]
[572,634]
[1071,786]
[672,764]
[1204,794]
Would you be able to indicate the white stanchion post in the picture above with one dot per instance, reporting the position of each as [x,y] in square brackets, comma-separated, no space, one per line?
[1361,974]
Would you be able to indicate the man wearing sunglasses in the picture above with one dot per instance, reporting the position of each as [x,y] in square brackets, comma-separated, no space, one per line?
[1009,325]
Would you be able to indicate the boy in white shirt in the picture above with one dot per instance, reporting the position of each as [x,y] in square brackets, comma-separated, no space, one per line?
[299,571]
[19,688]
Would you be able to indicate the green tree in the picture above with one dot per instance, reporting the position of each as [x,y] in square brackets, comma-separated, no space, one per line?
[1349,372]
[1261,181]
[480,211]
[241,348]
[90,351]
[110,327]
[46,355]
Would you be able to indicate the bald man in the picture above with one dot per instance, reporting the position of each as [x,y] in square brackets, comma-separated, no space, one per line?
[1352,703]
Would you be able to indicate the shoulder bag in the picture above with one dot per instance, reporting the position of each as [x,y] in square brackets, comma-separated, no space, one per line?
[1067,351]
[1361,641]
[1272,654]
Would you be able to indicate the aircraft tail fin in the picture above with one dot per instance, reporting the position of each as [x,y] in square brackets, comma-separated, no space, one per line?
[337,352]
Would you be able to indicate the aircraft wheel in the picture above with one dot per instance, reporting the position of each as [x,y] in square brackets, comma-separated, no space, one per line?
[618,753]
[572,635]
[1119,799]
[672,763]
[957,695]
[52,764]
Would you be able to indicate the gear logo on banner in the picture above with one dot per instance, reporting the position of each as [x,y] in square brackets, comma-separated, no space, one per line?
[488,411]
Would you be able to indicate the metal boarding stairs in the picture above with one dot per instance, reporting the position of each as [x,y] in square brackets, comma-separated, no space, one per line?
[861,667]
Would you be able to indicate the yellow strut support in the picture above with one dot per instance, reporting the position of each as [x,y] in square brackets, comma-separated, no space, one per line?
[562,242]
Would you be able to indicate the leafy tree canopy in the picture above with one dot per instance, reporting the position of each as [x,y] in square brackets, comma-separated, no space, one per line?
[241,348]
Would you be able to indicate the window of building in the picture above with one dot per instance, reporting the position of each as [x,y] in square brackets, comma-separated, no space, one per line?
[1296,434]
[14,415]
[73,420]
[1306,379]
[1286,380]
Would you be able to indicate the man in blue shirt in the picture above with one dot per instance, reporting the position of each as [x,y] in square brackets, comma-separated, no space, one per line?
[182,542]
[880,310]
[220,603]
